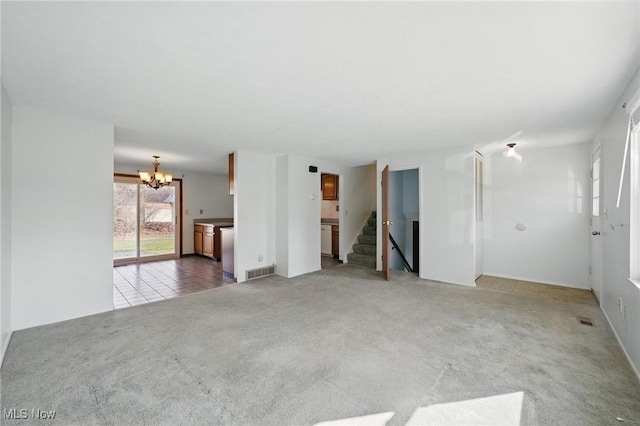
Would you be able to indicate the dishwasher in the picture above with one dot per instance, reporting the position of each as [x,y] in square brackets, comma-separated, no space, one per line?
[325,239]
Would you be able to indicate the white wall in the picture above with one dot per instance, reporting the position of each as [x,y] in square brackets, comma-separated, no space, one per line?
[299,202]
[615,243]
[298,210]
[304,200]
[446,212]
[200,190]
[282,215]
[254,211]
[548,192]
[62,217]
[5,225]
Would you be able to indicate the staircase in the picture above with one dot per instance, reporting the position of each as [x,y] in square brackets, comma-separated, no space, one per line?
[364,251]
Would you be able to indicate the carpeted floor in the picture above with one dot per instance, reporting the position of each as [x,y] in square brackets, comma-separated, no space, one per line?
[337,344]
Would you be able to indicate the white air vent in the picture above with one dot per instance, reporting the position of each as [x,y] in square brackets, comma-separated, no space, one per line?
[261,272]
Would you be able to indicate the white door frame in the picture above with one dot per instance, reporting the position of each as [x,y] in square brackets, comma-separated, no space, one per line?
[177,183]
[596,215]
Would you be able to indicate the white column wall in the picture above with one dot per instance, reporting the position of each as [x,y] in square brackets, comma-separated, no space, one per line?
[62,213]
[254,211]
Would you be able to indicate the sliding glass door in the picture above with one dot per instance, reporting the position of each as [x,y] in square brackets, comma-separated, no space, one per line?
[145,221]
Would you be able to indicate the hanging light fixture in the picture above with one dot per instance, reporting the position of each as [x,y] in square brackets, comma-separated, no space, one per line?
[155,179]
[511,152]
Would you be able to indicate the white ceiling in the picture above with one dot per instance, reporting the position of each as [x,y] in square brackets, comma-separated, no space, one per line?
[192,81]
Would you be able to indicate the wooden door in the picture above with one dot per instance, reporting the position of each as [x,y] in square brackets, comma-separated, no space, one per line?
[385,222]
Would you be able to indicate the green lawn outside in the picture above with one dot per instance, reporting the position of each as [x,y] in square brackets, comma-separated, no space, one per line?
[157,245]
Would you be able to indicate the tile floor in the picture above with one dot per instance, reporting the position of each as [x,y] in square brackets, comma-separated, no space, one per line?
[537,290]
[141,283]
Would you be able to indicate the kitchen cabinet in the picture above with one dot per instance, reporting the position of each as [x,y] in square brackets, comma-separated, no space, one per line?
[207,239]
[208,242]
[329,187]
[197,239]
[335,240]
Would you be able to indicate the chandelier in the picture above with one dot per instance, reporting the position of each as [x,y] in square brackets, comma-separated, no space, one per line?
[156,179]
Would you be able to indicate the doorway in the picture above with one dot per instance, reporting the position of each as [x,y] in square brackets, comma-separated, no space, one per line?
[595,268]
[329,220]
[404,218]
[146,223]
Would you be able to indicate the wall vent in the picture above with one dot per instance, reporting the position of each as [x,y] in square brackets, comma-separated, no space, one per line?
[252,274]
[586,321]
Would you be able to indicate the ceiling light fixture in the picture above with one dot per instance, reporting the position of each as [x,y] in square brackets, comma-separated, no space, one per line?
[155,179]
[511,152]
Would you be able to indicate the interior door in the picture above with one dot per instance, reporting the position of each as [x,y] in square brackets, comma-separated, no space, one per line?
[595,268]
[385,222]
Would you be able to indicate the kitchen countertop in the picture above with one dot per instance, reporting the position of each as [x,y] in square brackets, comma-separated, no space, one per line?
[214,223]
[329,221]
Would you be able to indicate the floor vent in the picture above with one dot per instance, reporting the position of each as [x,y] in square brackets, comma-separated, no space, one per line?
[261,272]
[586,321]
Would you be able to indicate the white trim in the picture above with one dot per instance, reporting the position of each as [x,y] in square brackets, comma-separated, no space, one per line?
[535,280]
[633,367]
[5,346]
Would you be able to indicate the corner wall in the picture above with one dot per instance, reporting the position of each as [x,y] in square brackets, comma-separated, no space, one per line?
[615,243]
[549,193]
[446,200]
[62,202]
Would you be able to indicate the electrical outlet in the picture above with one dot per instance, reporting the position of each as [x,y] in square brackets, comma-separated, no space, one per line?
[624,311]
[620,304]
[201,211]
[337,208]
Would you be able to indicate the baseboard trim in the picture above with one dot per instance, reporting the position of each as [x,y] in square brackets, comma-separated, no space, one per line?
[5,346]
[534,280]
[615,333]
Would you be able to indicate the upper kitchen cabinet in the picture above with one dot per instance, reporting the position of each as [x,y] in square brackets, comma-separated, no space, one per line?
[329,187]
[231,175]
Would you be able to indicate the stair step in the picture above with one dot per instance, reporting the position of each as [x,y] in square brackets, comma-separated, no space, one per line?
[364,249]
[373,214]
[367,239]
[372,221]
[369,230]
[362,259]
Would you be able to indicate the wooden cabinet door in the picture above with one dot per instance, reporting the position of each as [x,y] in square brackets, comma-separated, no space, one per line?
[197,242]
[329,187]
[335,241]
[207,244]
